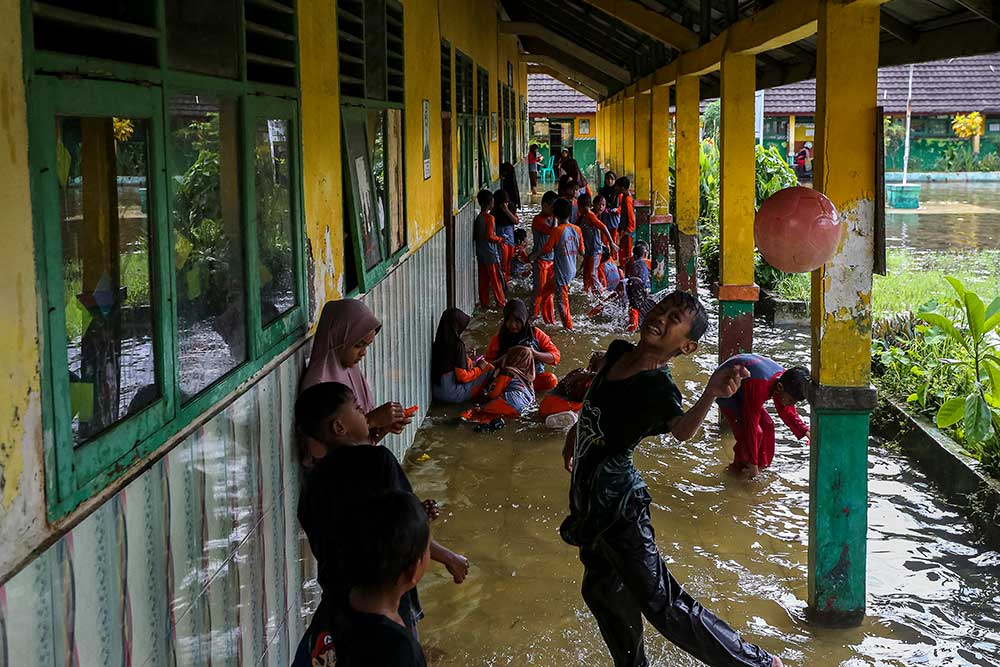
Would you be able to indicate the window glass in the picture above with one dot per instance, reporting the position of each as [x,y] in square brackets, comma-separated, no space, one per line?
[274,219]
[397,219]
[378,154]
[208,246]
[366,204]
[203,37]
[103,173]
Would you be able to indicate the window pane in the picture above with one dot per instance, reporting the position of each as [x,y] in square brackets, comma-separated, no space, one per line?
[397,219]
[367,206]
[203,37]
[378,152]
[274,219]
[208,255]
[103,166]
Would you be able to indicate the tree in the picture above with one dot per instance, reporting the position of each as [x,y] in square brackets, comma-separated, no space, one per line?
[969,125]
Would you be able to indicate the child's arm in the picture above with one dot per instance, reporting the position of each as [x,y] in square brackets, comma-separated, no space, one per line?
[457,564]
[547,353]
[549,246]
[724,383]
[629,212]
[464,376]
[605,234]
[491,230]
[493,349]
[792,420]
[568,449]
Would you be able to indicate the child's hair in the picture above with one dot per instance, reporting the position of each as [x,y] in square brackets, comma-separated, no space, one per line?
[318,403]
[605,255]
[549,197]
[562,209]
[598,198]
[795,381]
[567,189]
[640,249]
[520,235]
[689,303]
[500,197]
[584,201]
[485,198]
[623,183]
[387,534]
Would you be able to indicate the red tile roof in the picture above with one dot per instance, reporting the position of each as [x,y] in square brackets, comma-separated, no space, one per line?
[941,87]
[548,96]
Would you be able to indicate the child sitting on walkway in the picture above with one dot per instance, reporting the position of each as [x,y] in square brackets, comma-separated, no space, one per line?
[390,541]
[566,240]
[624,575]
[559,409]
[639,266]
[488,253]
[595,237]
[454,376]
[511,390]
[516,329]
[520,267]
[746,414]
[637,304]
[609,274]
[349,470]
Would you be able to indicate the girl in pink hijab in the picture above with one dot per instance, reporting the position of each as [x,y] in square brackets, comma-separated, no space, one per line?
[346,328]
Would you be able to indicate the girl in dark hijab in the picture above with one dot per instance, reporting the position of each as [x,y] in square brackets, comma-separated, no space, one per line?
[517,330]
[508,183]
[572,170]
[454,376]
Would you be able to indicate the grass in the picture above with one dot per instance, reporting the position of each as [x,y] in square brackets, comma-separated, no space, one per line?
[915,279]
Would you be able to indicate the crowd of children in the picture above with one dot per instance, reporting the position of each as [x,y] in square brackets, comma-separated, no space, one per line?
[371,536]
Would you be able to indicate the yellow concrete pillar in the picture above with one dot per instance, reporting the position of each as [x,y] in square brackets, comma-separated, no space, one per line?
[687,180]
[643,145]
[660,147]
[628,136]
[620,134]
[791,136]
[846,92]
[737,291]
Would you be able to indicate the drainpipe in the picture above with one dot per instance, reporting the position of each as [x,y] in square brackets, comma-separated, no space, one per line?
[906,144]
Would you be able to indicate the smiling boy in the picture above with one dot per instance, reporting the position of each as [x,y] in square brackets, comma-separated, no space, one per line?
[625,577]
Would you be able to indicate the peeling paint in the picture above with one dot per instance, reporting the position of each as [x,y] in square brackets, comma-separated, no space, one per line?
[848,276]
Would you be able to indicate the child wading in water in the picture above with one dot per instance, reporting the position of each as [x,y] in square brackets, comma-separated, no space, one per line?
[543,305]
[595,238]
[752,427]
[632,397]
[566,240]
[346,469]
[488,253]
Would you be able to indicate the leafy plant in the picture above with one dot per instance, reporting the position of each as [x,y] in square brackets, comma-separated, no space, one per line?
[979,410]
[893,134]
[968,125]
[711,119]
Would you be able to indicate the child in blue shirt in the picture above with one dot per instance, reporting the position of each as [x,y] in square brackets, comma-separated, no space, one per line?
[566,240]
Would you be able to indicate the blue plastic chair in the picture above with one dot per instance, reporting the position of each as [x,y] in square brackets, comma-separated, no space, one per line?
[548,170]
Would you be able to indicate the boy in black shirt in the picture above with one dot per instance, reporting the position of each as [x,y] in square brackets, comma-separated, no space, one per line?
[391,546]
[624,577]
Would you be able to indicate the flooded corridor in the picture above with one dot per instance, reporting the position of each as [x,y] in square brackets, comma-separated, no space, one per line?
[739,547]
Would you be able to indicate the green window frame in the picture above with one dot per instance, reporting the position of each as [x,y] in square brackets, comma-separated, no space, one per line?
[483,168]
[465,127]
[370,47]
[264,90]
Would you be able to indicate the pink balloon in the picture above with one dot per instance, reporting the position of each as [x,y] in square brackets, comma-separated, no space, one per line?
[797,230]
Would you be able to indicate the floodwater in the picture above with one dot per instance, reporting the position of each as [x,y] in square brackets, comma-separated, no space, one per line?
[952,217]
[740,547]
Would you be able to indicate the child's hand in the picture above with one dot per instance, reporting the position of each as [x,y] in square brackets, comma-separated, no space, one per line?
[385,415]
[431,507]
[483,364]
[726,381]
[458,567]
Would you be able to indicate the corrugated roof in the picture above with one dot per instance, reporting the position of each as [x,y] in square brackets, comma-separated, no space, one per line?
[944,86]
[550,96]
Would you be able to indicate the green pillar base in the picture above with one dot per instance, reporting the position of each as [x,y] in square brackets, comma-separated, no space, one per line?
[735,328]
[838,504]
[687,262]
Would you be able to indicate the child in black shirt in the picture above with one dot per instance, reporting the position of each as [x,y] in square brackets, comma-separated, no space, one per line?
[390,541]
[625,578]
[351,471]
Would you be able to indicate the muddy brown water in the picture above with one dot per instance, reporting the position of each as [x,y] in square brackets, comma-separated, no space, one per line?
[739,547]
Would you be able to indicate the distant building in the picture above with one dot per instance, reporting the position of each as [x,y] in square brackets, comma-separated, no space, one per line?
[562,117]
[940,90]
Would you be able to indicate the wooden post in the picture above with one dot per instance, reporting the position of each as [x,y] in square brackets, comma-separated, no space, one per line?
[737,291]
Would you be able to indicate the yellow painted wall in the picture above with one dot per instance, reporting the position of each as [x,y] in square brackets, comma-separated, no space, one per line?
[22,500]
[643,145]
[628,138]
[321,138]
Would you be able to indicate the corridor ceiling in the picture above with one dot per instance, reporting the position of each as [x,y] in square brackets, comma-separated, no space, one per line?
[592,46]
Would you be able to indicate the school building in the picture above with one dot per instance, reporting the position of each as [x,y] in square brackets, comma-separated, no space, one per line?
[561,117]
[187,183]
[940,90]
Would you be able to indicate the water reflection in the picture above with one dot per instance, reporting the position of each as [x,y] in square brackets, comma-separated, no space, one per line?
[740,547]
[953,216]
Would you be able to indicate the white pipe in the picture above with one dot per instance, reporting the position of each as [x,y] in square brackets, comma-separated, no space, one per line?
[906,144]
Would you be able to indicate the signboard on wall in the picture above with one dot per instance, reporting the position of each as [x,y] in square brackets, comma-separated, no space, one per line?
[427,139]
